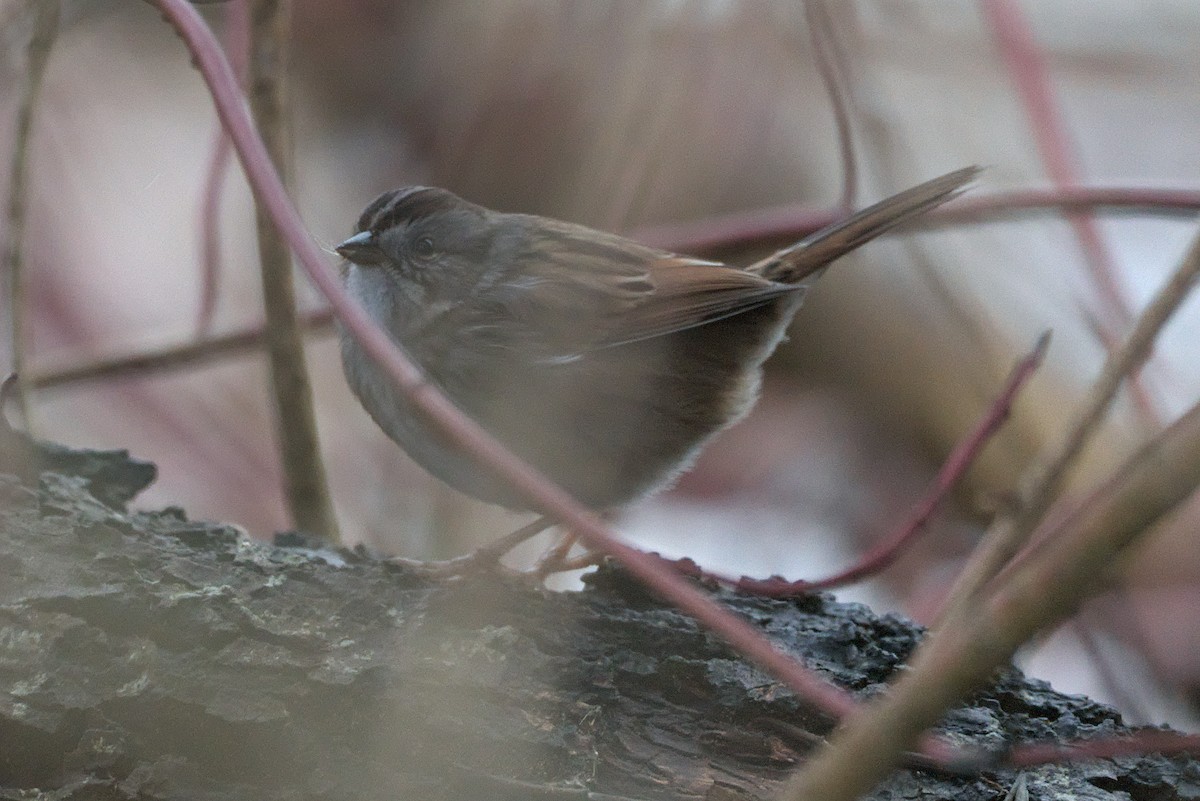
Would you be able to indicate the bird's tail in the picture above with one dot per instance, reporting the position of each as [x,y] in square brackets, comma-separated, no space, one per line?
[795,263]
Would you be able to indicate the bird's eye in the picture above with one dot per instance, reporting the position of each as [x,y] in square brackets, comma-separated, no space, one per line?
[424,248]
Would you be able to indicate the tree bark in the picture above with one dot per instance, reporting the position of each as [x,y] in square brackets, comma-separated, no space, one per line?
[143,655]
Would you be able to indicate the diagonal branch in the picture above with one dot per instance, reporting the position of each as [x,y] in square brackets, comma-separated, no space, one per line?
[788,222]
[954,468]
[889,548]
[237,25]
[464,432]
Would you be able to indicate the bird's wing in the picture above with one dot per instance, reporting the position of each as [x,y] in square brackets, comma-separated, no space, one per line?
[689,293]
[575,290]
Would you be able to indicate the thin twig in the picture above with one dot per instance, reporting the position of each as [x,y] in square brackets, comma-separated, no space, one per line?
[460,430]
[1027,65]
[729,232]
[1150,741]
[889,549]
[1025,203]
[304,472]
[1042,480]
[237,31]
[171,358]
[45,28]
[953,469]
[822,35]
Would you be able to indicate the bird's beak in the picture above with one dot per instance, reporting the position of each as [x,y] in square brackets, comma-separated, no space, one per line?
[362,248]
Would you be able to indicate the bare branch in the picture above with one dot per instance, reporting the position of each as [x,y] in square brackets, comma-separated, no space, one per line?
[238,42]
[1144,742]
[890,547]
[464,432]
[174,357]
[831,67]
[953,469]
[1031,75]
[729,232]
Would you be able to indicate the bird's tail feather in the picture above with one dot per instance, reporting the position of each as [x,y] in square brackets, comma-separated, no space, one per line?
[795,263]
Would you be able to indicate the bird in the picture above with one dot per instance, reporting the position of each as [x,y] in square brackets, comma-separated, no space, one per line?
[604,363]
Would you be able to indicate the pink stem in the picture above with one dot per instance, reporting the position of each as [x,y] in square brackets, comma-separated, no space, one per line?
[1027,66]
[237,17]
[539,491]
[890,548]
[795,221]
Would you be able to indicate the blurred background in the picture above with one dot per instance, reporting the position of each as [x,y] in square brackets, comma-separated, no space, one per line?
[638,117]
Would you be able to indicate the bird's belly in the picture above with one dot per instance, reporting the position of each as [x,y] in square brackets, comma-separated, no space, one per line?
[608,428]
